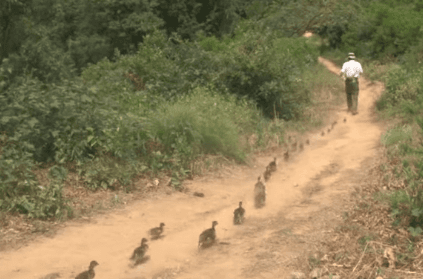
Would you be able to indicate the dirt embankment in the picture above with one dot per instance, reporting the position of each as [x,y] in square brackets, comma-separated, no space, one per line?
[305,197]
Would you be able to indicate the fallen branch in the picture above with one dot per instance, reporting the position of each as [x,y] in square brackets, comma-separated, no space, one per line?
[362,255]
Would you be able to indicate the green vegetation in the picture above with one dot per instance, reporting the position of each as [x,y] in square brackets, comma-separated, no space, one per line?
[387,38]
[112,90]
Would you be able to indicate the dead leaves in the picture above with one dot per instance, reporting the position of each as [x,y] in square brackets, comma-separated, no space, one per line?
[390,256]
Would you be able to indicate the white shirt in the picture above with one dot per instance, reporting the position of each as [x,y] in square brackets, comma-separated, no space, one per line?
[351,69]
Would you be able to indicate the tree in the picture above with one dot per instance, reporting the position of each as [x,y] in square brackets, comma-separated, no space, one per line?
[187,17]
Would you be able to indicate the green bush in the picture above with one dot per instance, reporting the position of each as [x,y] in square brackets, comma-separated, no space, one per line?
[41,57]
[268,71]
[19,188]
[401,85]
[383,31]
[105,171]
[406,203]
[202,123]
[52,120]
[413,58]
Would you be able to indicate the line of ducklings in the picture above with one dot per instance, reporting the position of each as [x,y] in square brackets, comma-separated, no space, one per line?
[138,256]
[208,237]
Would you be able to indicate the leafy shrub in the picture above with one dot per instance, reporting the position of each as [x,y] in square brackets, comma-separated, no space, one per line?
[412,60]
[202,123]
[19,188]
[383,31]
[211,44]
[268,71]
[106,171]
[41,57]
[401,85]
[52,120]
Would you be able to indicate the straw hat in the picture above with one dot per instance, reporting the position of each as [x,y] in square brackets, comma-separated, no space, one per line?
[351,55]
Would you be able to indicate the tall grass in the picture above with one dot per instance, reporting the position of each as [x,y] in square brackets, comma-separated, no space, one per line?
[204,122]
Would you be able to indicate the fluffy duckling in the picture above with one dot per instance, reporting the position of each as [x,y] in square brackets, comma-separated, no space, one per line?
[323,133]
[345,120]
[328,131]
[260,193]
[308,142]
[207,237]
[89,274]
[141,260]
[139,252]
[267,173]
[273,165]
[286,156]
[294,146]
[156,232]
[239,214]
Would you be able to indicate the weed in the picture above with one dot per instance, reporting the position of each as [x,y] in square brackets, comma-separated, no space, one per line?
[313,262]
[363,240]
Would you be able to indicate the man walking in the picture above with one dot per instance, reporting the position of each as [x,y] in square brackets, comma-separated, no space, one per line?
[351,71]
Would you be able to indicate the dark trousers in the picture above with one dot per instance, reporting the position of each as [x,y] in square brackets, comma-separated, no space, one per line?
[351,88]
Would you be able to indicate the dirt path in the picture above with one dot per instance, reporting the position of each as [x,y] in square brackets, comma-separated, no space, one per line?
[308,186]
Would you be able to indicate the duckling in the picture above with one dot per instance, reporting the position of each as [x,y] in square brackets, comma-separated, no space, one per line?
[294,146]
[89,274]
[301,147]
[139,252]
[198,194]
[259,186]
[260,193]
[273,165]
[308,142]
[207,237]
[239,214]
[267,174]
[328,131]
[141,260]
[345,120]
[156,232]
[286,156]
[323,133]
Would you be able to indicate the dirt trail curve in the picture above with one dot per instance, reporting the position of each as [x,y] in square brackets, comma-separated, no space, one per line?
[322,170]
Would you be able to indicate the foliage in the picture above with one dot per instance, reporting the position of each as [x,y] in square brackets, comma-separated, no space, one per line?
[53,121]
[19,187]
[11,25]
[412,60]
[156,106]
[384,31]
[105,171]
[268,70]
[187,17]
[39,56]
[201,123]
[401,85]
[294,18]
[407,203]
